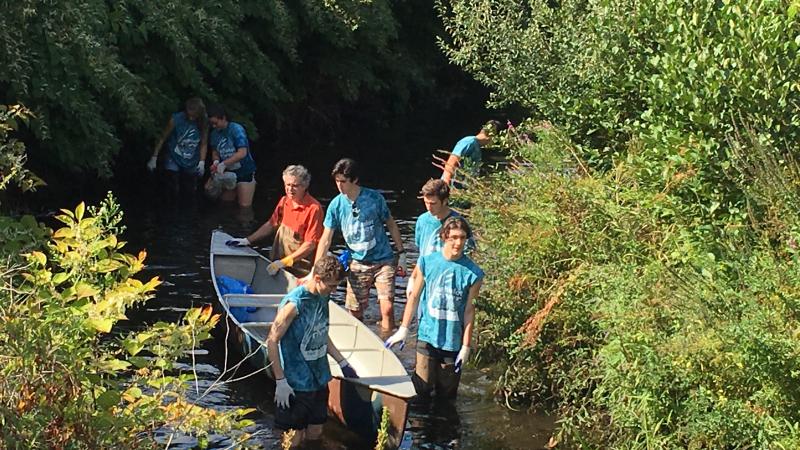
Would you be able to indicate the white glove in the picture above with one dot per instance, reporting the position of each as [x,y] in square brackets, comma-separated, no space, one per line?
[220,168]
[152,162]
[463,354]
[282,393]
[201,168]
[398,337]
[238,242]
[402,265]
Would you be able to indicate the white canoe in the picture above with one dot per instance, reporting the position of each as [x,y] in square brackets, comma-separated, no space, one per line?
[357,403]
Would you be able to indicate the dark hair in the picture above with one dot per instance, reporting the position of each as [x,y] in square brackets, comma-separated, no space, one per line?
[329,269]
[493,127]
[218,111]
[436,187]
[346,167]
[196,105]
[454,223]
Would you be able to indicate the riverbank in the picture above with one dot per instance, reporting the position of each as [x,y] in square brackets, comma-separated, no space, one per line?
[641,318]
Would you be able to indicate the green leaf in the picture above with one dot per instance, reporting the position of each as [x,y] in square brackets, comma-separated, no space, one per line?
[102,325]
[114,365]
[108,399]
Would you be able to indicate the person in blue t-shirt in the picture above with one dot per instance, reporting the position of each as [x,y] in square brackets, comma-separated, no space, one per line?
[361,213]
[186,135]
[446,285]
[298,347]
[435,196]
[231,152]
[467,152]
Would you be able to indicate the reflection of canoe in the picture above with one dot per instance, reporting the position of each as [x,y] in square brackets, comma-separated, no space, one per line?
[357,403]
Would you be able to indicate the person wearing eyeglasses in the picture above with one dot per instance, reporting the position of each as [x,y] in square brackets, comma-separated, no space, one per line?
[361,214]
[298,346]
[446,284]
[467,154]
[296,222]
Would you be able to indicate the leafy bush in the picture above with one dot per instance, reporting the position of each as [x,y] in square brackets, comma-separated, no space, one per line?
[61,380]
[642,320]
[65,381]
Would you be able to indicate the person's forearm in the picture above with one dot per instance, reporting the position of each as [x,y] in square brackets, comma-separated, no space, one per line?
[236,157]
[305,249]
[324,244]
[450,168]
[394,231]
[275,359]
[334,352]
[411,302]
[469,322]
[203,150]
[263,231]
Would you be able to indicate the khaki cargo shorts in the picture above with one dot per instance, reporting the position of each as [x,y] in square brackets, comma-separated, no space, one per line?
[362,277]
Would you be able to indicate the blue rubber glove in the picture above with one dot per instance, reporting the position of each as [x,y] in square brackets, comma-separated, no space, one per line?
[344,259]
[239,242]
[347,369]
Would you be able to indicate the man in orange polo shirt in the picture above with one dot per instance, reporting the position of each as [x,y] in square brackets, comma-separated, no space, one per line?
[297,223]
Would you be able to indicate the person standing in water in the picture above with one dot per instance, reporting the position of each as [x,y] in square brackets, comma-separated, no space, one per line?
[361,214]
[446,284]
[296,222]
[298,346]
[231,151]
[186,135]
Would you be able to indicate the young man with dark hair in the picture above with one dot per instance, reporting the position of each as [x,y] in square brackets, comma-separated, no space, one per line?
[435,196]
[298,346]
[361,214]
[445,287]
[467,151]
[231,151]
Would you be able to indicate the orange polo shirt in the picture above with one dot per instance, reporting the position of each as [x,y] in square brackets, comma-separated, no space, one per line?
[304,219]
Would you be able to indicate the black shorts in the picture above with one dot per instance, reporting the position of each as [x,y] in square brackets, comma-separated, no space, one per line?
[305,408]
[435,372]
[244,177]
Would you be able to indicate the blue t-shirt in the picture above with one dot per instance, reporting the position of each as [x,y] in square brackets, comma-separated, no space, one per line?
[184,141]
[444,299]
[468,148]
[361,223]
[304,346]
[426,233]
[227,141]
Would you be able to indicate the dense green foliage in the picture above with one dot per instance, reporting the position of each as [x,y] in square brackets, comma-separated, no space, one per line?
[96,73]
[644,251]
[611,300]
[612,68]
[65,382]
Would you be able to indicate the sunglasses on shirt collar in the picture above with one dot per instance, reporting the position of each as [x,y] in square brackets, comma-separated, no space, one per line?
[356,210]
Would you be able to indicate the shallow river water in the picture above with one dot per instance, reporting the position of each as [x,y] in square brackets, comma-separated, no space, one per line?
[176,237]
